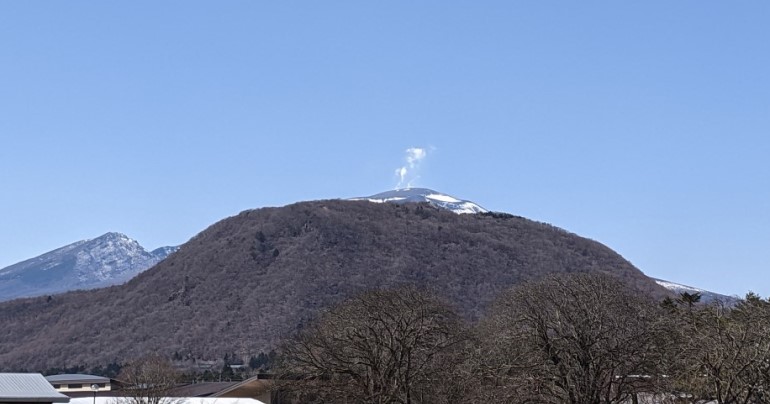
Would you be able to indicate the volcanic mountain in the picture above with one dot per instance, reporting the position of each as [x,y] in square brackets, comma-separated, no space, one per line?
[110,259]
[247,281]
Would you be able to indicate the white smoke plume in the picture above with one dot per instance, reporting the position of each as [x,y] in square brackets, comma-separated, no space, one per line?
[408,174]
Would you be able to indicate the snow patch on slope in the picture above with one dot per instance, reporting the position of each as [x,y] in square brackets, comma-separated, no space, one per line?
[677,287]
[706,296]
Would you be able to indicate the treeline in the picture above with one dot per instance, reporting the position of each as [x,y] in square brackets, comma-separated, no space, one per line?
[576,338]
[231,367]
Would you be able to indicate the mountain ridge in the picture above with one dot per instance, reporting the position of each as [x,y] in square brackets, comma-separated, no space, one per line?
[462,206]
[106,260]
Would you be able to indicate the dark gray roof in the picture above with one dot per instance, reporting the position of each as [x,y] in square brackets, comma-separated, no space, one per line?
[28,388]
[76,378]
[203,389]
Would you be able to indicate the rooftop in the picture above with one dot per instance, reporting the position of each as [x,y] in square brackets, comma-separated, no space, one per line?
[28,388]
[76,378]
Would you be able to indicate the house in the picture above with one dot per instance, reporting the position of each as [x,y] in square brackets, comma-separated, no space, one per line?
[199,389]
[77,383]
[28,388]
[258,387]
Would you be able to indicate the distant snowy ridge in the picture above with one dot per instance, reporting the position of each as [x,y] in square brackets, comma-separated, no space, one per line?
[416,195]
[110,259]
[706,296]
[677,287]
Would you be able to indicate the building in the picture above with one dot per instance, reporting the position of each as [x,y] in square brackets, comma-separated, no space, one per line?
[77,383]
[16,388]
[257,387]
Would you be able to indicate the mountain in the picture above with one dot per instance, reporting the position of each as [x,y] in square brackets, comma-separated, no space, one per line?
[244,283]
[416,195]
[110,259]
[450,203]
[706,296]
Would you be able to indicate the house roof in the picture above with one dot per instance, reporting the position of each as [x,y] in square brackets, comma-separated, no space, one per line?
[76,378]
[251,387]
[28,388]
[202,389]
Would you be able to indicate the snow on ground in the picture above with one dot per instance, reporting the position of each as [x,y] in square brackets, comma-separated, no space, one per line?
[437,199]
[442,198]
[677,287]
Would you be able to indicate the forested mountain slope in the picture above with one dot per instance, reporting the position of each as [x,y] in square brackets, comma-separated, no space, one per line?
[246,281]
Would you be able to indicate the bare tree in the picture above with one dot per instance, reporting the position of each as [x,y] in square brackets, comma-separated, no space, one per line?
[380,347]
[725,352]
[580,338]
[149,380]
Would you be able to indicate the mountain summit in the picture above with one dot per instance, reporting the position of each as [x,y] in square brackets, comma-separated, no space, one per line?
[417,195]
[110,259]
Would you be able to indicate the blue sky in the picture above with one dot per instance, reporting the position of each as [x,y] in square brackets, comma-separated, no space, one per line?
[644,126]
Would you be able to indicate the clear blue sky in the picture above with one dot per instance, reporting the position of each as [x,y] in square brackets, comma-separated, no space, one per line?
[643,125]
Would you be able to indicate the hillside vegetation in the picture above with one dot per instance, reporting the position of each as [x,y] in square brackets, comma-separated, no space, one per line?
[247,281]
[565,338]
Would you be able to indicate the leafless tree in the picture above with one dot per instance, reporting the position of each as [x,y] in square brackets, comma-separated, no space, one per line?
[726,352]
[580,338]
[148,380]
[394,346]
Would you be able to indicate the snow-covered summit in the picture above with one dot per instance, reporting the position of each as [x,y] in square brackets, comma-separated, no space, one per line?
[106,260]
[437,199]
